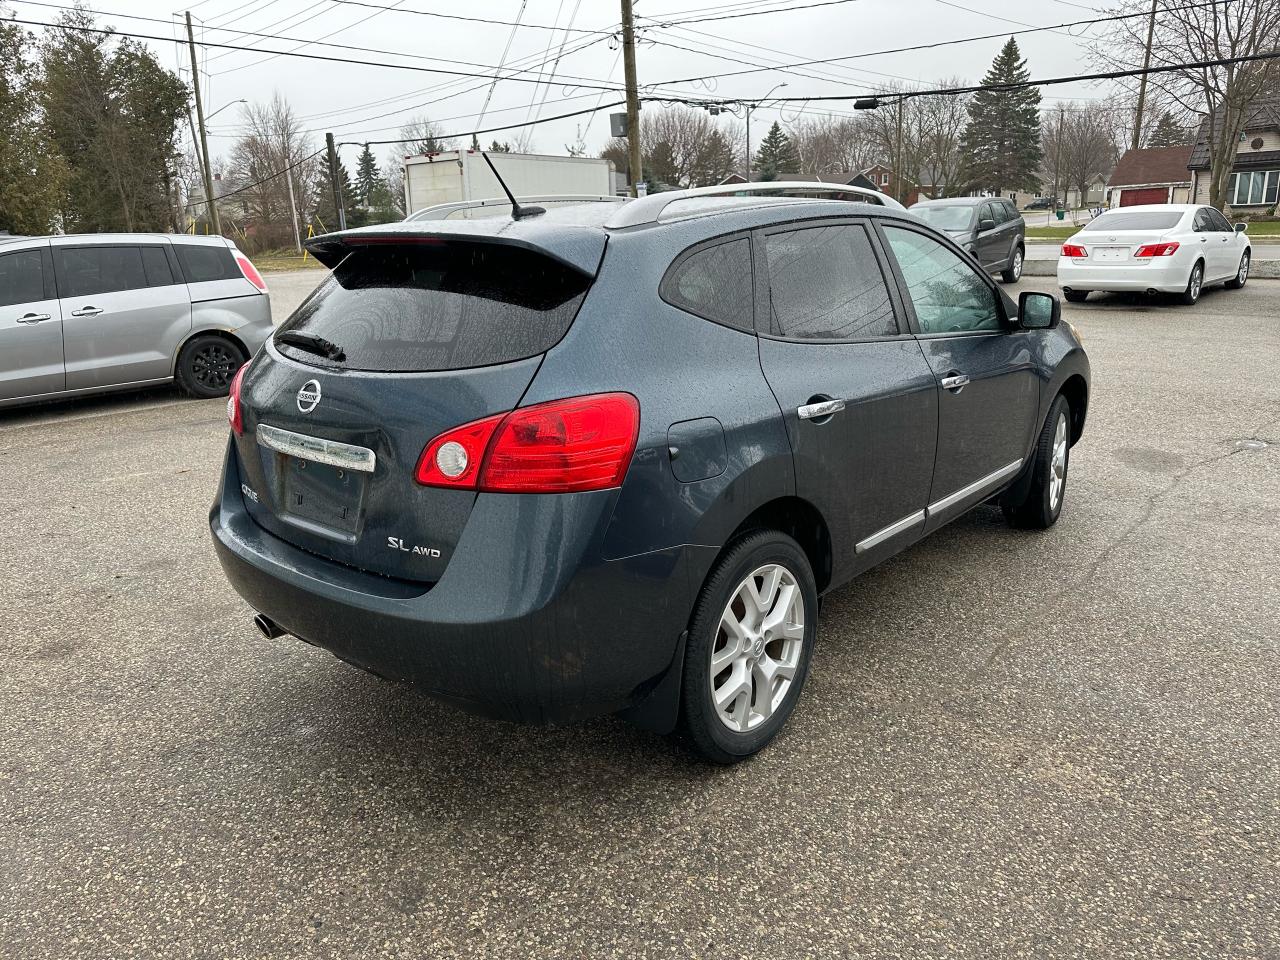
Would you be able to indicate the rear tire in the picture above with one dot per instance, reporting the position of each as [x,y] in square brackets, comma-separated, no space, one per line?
[1075,296]
[750,642]
[1048,490]
[1195,283]
[207,365]
[1014,271]
[1242,274]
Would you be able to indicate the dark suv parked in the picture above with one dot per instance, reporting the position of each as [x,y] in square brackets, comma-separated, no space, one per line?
[990,228]
[607,459]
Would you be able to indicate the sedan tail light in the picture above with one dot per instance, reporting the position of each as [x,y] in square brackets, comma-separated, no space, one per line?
[1156,250]
[582,443]
[1074,250]
[250,272]
[235,413]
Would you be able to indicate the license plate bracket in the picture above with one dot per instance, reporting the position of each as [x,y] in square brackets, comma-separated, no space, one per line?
[1113,253]
[323,495]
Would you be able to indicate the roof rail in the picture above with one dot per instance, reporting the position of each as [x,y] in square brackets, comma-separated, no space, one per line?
[442,211]
[649,209]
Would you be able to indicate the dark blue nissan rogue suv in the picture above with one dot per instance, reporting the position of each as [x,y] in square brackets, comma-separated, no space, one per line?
[607,458]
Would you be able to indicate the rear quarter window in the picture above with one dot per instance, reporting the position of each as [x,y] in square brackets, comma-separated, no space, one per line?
[714,283]
[439,306]
[203,263]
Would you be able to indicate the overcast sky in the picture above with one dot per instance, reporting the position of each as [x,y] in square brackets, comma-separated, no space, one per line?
[365,102]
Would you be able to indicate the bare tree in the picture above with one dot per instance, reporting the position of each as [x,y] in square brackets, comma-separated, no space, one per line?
[274,143]
[421,135]
[831,145]
[932,128]
[1223,94]
[1079,145]
[678,145]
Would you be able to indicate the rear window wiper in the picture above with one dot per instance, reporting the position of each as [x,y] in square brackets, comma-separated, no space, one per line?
[312,344]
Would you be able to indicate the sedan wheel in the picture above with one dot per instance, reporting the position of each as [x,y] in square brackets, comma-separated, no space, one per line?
[1242,275]
[1194,285]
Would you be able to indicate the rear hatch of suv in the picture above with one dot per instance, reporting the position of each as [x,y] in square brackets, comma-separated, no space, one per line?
[409,337]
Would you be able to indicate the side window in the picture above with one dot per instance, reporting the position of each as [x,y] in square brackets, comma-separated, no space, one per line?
[1008,212]
[987,212]
[21,278]
[1202,223]
[825,284]
[156,267]
[714,283]
[948,295]
[85,271]
[204,262]
[1220,222]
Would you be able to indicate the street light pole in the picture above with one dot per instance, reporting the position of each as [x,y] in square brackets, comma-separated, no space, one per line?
[751,108]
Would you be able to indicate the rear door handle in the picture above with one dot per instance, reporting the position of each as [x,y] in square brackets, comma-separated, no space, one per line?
[816,411]
[86,312]
[33,317]
[955,382]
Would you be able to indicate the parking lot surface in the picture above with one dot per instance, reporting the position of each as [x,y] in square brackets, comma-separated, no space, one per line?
[1057,744]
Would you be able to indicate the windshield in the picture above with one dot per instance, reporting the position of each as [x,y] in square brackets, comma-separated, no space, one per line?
[1138,220]
[948,217]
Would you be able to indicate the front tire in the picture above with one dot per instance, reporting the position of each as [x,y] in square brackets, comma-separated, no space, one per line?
[1075,296]
[750,641]
[207,365]
[1242,275]
[1043,503]
[1014,271]
[1195,283]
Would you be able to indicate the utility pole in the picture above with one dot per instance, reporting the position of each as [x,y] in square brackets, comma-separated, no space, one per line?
[1057,160]
[1142,80]
[633,97]
[750,109]
[293,208]
[333,181]
[204,142]
[897,157]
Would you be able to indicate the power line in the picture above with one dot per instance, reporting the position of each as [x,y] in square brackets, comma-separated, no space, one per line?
[257,183]
[455,16]
[757,13]
[304,43]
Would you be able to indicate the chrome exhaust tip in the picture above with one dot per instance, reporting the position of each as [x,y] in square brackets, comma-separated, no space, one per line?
[268,627]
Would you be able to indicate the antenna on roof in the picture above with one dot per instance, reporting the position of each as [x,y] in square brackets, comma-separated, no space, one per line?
[517,211]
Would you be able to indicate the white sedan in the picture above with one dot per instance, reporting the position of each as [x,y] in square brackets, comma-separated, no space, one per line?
[1161,248]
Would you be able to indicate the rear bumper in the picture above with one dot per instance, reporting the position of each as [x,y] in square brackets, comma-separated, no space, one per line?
[527,623]
[1168,277]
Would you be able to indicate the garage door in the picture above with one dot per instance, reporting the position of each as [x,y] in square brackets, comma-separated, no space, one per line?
[1153,195]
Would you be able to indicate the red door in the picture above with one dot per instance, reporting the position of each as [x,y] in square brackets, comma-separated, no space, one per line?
[1129,198]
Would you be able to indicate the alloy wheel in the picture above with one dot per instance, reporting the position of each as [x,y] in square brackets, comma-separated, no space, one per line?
[1017,265]
[1058,466]
[757,648]
[1197,279]
[1243,274]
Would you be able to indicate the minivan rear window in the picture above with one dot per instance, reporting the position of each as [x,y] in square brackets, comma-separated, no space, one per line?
[439,305]
[1139,220]
[203,263]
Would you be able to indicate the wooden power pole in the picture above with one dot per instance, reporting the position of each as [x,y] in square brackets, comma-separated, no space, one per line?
[633,97]
[334,182]
[1142,80]
[897,157]
[214,222]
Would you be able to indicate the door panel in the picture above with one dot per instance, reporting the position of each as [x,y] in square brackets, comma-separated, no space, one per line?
[124,317]
[830,335]
[30,327]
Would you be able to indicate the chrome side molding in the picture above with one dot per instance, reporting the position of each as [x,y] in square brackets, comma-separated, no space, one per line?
[892,530]
[317,449]
[980,485]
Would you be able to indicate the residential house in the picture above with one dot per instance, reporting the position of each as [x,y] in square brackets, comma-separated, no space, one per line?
[1255,179]
[1094,194]
[1151,175]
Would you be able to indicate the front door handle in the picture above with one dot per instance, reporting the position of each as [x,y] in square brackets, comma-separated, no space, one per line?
[816,411]
[956,382]
[86,312]
[33,317]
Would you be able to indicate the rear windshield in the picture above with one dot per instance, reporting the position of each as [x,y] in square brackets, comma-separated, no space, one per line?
[1148,220]
[439,306]
[950,217]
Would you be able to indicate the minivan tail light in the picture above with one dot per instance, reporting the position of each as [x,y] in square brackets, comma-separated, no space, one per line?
[564,446]
[1074,250]
[250,272]
[1156,250]
[235,412]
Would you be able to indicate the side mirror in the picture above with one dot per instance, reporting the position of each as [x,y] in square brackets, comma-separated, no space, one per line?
[986,224]
[1241,227]
[1038,311]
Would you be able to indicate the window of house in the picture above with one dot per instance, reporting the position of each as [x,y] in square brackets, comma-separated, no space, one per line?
[1253,188]
[884,179]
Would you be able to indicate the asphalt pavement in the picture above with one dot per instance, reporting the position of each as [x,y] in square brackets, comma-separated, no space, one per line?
[1012,744]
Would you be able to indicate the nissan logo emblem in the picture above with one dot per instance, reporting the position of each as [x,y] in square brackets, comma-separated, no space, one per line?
[309,396]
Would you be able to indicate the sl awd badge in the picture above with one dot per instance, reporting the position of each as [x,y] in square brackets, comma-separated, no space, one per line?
[395,543]
[309,396]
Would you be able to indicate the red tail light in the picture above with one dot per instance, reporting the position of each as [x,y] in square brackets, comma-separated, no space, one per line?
[235,414]
[1156,250]
[250,272]
[1074,250]
[582,443]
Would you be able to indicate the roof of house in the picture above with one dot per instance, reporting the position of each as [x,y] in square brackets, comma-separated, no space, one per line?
[1263,115]
[1152,165]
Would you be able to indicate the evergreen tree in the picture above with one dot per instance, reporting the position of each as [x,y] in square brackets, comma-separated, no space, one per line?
[369,182]
[713,161]
[326,213]
[777,155]
[32,174]
[1168,133]
[1002,138]
[500,146]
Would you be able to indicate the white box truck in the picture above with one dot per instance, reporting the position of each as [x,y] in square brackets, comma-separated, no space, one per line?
[458,175]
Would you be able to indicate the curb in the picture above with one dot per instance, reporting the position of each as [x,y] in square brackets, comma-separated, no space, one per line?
[1258,270]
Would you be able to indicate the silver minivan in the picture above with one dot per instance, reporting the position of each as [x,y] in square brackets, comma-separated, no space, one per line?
[94,313]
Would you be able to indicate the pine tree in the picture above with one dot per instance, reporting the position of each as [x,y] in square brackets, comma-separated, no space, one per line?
[714,160]
[326,213]
[368,178]
[1168,133]
[500,146]
[1002,138]
[777,155]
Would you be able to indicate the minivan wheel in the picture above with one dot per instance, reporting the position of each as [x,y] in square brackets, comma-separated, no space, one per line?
[750,641]
[1014,270]
[1043,504]
[207,365]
